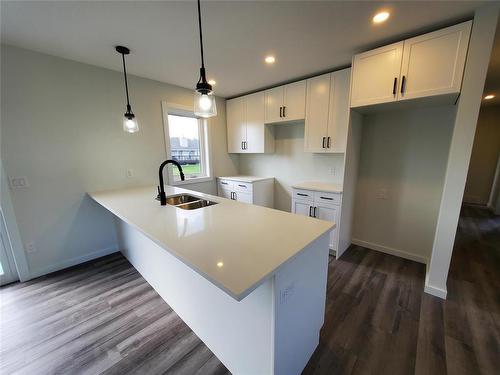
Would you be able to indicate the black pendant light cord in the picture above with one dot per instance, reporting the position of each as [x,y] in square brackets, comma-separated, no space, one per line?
[201,35]
[126,83]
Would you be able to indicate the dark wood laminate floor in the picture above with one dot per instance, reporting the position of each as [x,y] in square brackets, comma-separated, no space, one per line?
[102,317]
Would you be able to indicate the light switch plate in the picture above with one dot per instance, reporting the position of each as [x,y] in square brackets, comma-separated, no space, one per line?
[130,173]
[19,182]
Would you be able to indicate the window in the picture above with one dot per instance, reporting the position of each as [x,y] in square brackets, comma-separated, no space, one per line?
[187,136]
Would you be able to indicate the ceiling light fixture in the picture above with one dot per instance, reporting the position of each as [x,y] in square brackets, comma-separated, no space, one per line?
[489,97]
[204,100]
[270,59]
[381,17]
[130,124]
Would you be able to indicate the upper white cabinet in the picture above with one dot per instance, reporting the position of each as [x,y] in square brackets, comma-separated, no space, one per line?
[424,66]
[327,112]
[246,131]
[285,103]
[433,64]
[375,75]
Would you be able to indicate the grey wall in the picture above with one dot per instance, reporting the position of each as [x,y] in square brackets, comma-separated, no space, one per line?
[484,158]
[61,127]
[289,164]
[404,153]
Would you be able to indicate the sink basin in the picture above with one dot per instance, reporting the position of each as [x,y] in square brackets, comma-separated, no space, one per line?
[188,202]
[196,204]
[175,200]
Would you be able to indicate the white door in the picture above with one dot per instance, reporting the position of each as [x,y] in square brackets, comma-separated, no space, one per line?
[244,197]
[274,105]
[301,207]
[375,75]
[338,114]
[236,127]
[433,64]
[329,213]
[318,99]
[255,113]
[294,101]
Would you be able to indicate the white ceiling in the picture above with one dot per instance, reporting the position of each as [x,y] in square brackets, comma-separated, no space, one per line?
[306,37]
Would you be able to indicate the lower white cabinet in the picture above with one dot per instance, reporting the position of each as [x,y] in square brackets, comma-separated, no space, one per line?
[247,189]
[321,205]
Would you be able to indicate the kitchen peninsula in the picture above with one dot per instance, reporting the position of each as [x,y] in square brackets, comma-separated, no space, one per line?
[248,280]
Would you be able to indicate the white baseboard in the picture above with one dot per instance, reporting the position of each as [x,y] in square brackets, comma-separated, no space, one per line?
[73,262]
[390,250]
[437,292]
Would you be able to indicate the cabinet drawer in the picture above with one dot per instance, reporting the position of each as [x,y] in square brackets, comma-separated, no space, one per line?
[225,184]
[243,187]
[303,194]
[327,198]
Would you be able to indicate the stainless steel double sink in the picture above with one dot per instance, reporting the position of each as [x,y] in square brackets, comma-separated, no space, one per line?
[188,201]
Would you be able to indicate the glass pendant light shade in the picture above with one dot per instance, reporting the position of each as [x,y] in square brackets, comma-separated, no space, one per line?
[130,124]
[204,105]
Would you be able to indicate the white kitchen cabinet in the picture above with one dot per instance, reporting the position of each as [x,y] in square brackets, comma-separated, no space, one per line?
[285,103]
[375,75]
[247,189]
[327,112]
[433,63]
[324,205]
[428,65]
[246,131]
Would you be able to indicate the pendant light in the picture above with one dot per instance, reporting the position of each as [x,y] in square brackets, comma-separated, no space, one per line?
[130,124]
[204,100]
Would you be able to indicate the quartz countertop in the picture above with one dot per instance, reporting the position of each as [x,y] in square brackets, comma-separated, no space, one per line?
[319,186]
[248,179]
[234,245]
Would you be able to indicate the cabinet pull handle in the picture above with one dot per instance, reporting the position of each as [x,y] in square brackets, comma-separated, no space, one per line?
[314,212]
[223,183]
[245,145]
[403,85]
[242,145]
[284,111]
[330,199]
[281,112]
[302,194]
[310,211]
[328,142]
[324,138]
[242,186]
[235,196]
[394,86]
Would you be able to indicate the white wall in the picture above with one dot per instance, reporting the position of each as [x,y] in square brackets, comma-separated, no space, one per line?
[61,127]
[403,153]
[484,158]
[289,164]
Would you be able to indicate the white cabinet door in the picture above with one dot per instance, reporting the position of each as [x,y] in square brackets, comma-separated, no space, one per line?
[236,127]
[225,193]
[338,114]
[375,75]
[316,124]
[244,197]
[301,207]
[255,128]
[329,213]
[274,104]
[294,101]
[433,64]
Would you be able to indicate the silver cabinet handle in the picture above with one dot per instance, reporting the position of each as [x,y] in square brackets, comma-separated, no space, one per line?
[284,109]
[302,194]
[314,212]
[328,142]
[310,211]
[323,144]
[244,186]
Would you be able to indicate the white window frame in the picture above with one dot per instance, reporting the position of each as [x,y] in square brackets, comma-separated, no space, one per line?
[205,152]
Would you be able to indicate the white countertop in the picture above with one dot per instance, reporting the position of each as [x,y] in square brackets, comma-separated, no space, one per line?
[248,179]
[251,241]
[319,186]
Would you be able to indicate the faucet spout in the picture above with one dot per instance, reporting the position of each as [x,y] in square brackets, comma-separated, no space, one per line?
[161,188]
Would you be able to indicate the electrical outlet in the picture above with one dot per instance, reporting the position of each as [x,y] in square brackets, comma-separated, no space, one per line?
[19,182]
[382,194]
[30,246]
[130,173]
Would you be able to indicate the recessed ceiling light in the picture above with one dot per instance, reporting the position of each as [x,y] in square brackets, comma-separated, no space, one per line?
[270,59]
[212,82]
[488,97]
[381,17]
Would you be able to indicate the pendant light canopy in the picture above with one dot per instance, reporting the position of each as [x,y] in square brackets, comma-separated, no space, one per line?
[204,100]
[130,124]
